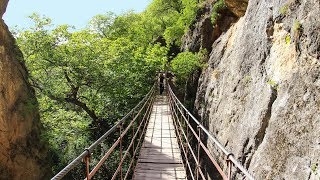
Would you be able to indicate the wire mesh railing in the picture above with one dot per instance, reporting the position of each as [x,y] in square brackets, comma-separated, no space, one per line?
[130,132]
[192,137]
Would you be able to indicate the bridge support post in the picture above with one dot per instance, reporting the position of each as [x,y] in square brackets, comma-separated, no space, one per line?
[86,160]
[198,158]
[133,148]
[187,140]
[229,165]
[120,147]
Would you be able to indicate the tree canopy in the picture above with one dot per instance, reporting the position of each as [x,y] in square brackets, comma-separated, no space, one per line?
[87,79]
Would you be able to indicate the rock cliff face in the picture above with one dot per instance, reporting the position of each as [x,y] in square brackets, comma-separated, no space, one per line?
[260,94]
[21,153]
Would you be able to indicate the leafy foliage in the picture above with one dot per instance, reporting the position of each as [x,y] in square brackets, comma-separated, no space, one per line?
[184,64]
[288,39]
[296,26]
[175,17]
[217,8]
[87,79]
[284,9]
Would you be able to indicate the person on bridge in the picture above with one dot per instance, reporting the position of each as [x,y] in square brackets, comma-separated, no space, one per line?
[161,83]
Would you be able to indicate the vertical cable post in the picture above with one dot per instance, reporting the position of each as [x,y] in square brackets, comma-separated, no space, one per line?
[120,146]
[133,149]
[198,158]
[187,149]
[87,161]
[229,165]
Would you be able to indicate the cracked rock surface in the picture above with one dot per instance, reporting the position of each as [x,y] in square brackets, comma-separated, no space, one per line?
[22,155]
[260,94]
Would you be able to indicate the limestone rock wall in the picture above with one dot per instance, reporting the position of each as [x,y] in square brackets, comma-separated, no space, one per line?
[260,94]
[22,156]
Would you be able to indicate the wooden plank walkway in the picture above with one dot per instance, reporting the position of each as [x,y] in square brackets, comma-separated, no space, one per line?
[160,156]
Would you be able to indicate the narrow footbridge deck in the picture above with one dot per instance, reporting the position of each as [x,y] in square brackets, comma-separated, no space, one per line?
[160,156]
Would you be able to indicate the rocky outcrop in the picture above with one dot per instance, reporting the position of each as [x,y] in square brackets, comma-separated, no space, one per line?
[21,152]
[238,7]
[203,32]
[260,94]
[200,36]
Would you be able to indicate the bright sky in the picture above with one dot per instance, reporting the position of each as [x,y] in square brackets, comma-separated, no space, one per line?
[72,12]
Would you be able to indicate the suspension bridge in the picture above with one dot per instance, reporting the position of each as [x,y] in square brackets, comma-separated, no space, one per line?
[158,139]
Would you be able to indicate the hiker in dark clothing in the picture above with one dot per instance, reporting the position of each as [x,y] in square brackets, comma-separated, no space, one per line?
[161,84]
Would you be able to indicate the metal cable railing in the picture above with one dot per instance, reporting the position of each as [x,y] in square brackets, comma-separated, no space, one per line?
[185,124]
[139,119]
[190,134]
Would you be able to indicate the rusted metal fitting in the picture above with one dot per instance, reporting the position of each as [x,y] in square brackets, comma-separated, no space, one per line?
[120,125]
[84,159]
[88,152]
[230,154]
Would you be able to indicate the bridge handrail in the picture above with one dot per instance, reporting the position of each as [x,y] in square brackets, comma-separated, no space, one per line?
[88,150]
[212,138]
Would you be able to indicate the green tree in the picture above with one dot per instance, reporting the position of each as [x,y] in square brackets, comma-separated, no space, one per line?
[102,24]
[85,80]
[184,64]
[175,17]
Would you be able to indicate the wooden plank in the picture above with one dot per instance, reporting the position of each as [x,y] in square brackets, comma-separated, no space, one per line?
[170,153]
[161,135]
[154,156]
[161,161]
[158,146]
[158,156]
[155,166]
[163,139]
[159,151]
[161,174]
[158,143]
[154,131]
[180,171]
